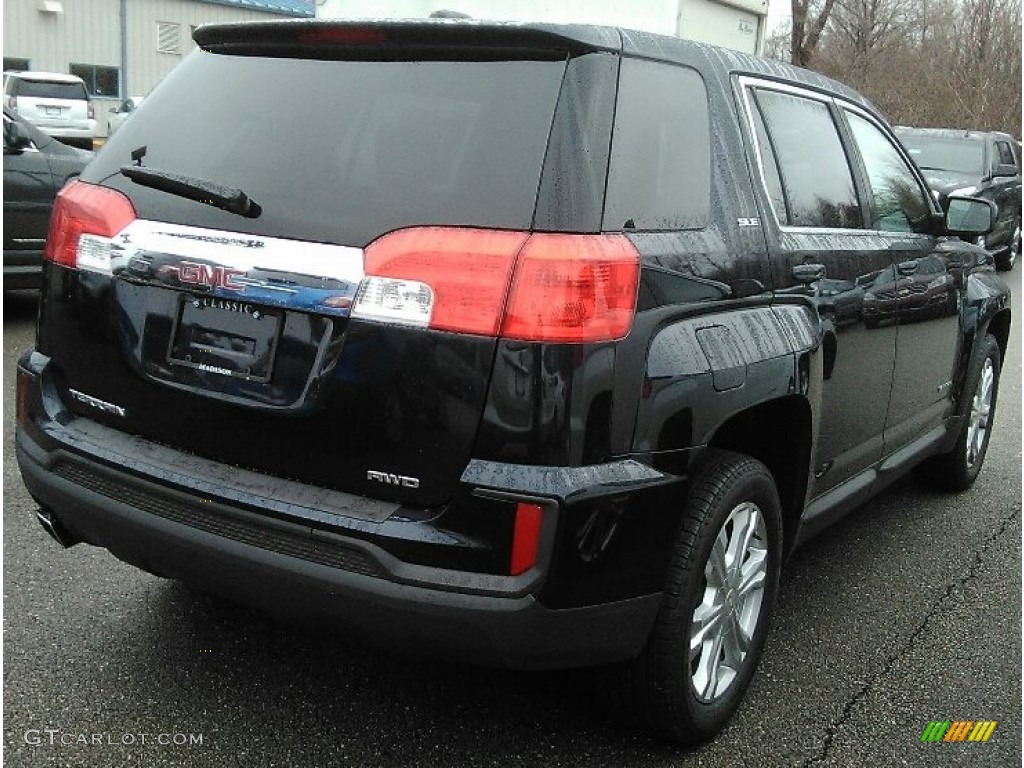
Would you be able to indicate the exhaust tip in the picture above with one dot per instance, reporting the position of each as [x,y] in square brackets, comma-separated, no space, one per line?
[53,527]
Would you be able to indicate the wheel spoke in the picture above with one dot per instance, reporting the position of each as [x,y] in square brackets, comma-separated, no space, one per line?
[743,532]
[715,570]
[705,679]
[706,619]
[754,572]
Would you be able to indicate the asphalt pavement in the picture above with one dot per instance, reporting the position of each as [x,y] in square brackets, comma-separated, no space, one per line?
[908,611]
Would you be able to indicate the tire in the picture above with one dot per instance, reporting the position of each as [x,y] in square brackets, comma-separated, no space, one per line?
[1006,261]
[957,469]
[687,697]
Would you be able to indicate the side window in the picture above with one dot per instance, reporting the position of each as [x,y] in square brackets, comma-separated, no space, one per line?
[816,177]
[770,168]
[659,176]
[900,204]
[1005,153]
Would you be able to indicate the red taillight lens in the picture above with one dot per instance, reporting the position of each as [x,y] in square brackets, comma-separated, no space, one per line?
[525,538]
[85,209]
[466,272]
[539,287]
[573,288]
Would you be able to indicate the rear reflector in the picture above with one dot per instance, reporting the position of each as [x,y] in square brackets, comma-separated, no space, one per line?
[84,219]
[526,538]
[539,287]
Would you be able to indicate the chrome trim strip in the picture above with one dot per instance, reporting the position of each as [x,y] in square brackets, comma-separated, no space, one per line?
[236,250]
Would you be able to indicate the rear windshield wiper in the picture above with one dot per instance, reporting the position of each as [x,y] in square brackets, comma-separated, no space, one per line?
[230,199]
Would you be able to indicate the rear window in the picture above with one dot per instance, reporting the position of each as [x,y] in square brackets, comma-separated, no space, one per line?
[49,89]
[344,151]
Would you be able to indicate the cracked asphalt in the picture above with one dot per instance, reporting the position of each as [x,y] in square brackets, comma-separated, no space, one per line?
[907,611]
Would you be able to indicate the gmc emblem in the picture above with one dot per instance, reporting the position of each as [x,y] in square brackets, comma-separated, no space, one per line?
[210,276]
[389,479]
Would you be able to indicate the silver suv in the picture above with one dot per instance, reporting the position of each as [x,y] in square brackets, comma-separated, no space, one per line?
[55,103]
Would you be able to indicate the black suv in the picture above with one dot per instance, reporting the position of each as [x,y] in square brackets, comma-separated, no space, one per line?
[36,166]
[977,163]
[519,344]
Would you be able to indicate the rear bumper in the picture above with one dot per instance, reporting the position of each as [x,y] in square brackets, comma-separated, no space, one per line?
[289,568]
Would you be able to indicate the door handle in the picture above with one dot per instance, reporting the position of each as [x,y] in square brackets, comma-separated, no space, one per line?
[808,273]
[907,268]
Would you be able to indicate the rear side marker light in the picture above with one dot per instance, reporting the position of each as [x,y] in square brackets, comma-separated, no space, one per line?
[525,538]
[530,287]
[84,221]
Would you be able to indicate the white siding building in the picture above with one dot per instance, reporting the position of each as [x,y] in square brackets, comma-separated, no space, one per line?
[737,24]
[87,38]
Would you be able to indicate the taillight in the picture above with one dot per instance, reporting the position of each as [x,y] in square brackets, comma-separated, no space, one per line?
[92,112]
[573,288]
[12,102]
[539,287]
[444,278]
[85,218]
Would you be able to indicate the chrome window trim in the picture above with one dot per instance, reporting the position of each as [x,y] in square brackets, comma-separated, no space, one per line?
[746,84]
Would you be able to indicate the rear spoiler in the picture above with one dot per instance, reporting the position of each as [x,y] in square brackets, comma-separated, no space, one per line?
[429,38]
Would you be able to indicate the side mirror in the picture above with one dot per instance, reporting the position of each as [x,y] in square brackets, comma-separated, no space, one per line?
[16,138]
[1005,169]
[969,216]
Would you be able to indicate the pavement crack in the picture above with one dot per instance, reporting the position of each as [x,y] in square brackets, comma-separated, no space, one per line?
[957,583]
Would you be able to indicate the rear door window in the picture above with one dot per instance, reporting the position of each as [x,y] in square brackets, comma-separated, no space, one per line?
[660,172]
[344,151]
[816,179]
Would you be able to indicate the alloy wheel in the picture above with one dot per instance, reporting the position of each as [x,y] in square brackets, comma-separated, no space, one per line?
[726,617]
[981,409]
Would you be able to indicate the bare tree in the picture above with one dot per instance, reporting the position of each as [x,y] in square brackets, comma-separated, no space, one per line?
[809,20]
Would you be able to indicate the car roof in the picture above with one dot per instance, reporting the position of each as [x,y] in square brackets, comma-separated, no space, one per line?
[948,133]
[370,36]
[56,77]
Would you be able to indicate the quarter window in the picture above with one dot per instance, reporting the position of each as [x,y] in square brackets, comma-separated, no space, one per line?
[900,205]
[815,174]
[660,170]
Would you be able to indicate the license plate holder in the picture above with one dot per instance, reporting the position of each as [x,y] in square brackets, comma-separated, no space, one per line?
[226,337]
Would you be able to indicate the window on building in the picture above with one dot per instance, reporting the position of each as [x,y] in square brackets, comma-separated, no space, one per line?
[168,37]
[99,80]
[15,65]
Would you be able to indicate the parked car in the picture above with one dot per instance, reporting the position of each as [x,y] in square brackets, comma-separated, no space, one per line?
[514,345]
[977,163]
[55,103]
[35,167]
[121,112]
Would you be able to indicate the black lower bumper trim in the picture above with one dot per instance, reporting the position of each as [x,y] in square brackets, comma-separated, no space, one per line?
[220,550]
